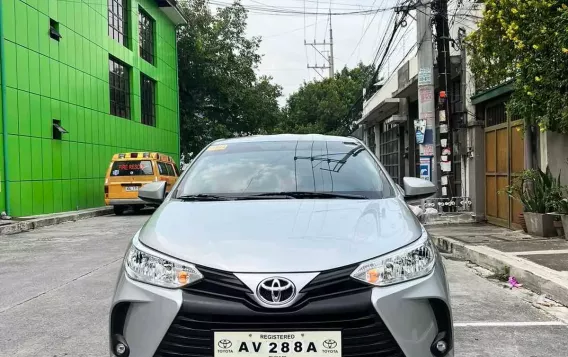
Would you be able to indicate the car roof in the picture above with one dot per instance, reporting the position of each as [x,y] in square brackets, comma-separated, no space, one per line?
[287,137]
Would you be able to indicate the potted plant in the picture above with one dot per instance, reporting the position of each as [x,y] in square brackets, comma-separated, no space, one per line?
[540,193]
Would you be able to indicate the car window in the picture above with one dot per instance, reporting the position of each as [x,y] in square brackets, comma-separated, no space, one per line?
[162,168]
[170,170]
[132,168]
[270,167]
[176,170]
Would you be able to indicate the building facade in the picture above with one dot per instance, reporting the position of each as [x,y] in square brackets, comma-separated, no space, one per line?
[390,122]
[488,148]
[82,80]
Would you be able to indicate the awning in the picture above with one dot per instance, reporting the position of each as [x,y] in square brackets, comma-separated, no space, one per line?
[172,11]
[382,111]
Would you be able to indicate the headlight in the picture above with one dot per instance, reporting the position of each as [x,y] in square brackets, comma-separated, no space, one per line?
[411,262]
[150,267]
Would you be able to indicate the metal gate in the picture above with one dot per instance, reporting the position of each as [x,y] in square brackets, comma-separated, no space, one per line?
[504,160]
[389,149]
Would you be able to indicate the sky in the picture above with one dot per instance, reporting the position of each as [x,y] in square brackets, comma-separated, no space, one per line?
[356,37]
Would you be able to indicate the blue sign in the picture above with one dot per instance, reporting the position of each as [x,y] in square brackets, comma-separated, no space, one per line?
[425,167]
[419,137]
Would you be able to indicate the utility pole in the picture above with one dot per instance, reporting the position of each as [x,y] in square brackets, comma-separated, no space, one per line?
[327,55]
[426,107]
[331,66]
[446,118]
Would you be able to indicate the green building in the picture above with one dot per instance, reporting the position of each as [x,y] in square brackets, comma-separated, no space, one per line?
[80,81]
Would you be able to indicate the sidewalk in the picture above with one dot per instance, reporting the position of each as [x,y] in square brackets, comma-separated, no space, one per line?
[540,264]
[22,224]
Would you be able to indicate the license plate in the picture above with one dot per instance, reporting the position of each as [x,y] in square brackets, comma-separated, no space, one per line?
[131,188]
[278,344]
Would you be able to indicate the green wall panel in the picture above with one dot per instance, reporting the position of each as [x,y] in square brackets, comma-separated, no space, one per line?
[27,198]
[66,203]
[48,196]
[35,116]
[15,199]
[47,158]
[25,158]
[33,28]
[11,60]
[57,199]
[68,80]
[36,162]
[34,77]
[37,200]
[21,14]
[24,120]
[8,19]
[22,68]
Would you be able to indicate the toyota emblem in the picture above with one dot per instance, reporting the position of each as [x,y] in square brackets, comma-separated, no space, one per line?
[276,291]
[224,344]
[329,344]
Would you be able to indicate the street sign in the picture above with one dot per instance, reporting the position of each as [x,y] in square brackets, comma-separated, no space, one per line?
[425,168]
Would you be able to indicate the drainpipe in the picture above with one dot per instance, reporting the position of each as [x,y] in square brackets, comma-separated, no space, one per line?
[178,97]
[4,114]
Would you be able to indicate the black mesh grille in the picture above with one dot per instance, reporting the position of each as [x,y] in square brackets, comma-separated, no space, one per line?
[363,333]
[332,301]
[325,285]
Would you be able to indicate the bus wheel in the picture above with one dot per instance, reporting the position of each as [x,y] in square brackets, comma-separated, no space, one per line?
[118,210]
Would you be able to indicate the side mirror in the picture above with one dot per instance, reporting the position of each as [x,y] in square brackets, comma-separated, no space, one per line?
[154,192]
[417,188]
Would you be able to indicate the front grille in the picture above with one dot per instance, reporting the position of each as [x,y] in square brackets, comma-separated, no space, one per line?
[220,284]
[363,332]
[328,284]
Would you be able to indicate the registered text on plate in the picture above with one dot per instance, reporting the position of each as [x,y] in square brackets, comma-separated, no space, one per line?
[279,344]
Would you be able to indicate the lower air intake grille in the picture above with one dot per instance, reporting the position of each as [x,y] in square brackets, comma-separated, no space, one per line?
[363,332]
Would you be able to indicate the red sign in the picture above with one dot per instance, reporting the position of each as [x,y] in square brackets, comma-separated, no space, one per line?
[128,167]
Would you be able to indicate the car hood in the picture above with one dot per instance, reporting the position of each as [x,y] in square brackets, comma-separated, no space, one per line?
[271,236]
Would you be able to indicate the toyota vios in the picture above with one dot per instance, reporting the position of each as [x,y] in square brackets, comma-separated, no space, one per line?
[283,246]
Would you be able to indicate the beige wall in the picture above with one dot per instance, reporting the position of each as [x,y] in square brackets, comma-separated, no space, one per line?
[554,153]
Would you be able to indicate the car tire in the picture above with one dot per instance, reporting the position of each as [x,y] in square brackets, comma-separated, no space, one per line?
[119,210]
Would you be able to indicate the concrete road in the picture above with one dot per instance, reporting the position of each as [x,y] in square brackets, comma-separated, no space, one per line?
[56,284]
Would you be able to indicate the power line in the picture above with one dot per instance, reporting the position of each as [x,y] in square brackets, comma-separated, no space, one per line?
[267,10]
[379,67]
[315,30]
[363,35]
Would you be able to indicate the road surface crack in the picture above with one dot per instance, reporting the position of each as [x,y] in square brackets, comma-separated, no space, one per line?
[60,286]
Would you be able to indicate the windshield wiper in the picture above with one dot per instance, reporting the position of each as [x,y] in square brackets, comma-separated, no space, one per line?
[204,197]
[308,194]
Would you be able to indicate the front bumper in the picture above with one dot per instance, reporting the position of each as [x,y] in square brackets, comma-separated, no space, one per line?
[124,201]
[403,319]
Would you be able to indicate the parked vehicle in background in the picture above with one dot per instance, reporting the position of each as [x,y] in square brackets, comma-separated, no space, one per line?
[127,172]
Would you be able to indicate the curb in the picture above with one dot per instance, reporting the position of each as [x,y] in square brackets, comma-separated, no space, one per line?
[50,220]
[535,277]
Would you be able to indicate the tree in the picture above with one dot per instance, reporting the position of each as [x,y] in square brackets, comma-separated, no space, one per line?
[220,93]
[525,41]
[327,106]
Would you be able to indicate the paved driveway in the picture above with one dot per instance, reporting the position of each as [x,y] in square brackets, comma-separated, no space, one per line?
[56,284]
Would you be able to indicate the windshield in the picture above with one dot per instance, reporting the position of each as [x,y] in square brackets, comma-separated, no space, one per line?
[237,169]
